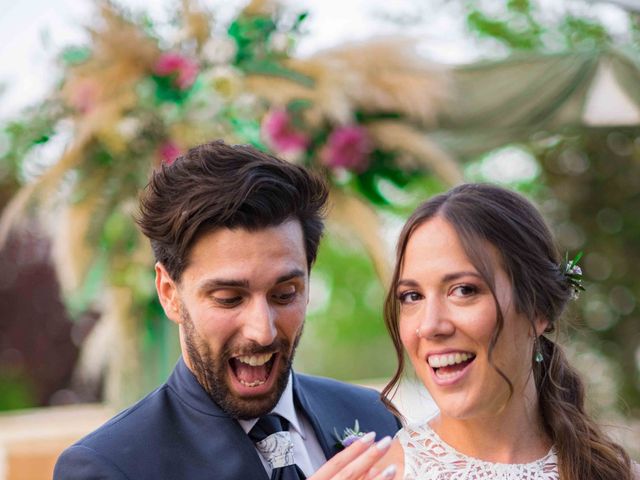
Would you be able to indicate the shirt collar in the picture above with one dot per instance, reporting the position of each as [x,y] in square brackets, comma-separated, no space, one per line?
[285,408]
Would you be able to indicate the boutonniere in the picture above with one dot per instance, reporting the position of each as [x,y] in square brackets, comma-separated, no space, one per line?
[349,436]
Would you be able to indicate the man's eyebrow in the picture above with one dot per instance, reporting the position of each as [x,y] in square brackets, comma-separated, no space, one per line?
[449,277]
[214,283]
[295,273]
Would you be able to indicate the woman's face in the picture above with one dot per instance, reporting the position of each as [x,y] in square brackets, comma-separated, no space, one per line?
[443,295]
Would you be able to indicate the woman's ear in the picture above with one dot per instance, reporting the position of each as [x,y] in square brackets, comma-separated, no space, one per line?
[168,294]
[540,324]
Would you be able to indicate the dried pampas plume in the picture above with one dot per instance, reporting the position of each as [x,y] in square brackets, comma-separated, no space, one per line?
[374,76]
[384,75]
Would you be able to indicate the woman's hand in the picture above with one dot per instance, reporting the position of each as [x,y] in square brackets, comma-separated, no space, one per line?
[356,460]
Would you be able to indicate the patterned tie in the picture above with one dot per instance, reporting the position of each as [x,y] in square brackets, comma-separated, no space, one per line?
[273,441]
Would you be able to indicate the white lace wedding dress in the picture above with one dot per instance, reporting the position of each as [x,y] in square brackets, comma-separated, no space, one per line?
[427,457]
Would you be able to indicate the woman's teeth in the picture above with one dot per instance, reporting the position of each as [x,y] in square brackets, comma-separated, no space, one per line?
[255,360]
[438,361]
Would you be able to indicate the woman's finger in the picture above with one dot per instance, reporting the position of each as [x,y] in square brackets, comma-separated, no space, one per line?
[361,465]
[330,469]
[386,474]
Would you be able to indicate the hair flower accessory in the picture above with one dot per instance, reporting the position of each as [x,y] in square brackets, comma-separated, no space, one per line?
[573,274]
[349,436]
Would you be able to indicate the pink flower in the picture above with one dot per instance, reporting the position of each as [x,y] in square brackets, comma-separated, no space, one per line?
[280,133]
[84,95]
[168,152]
[347,147]
[184,69]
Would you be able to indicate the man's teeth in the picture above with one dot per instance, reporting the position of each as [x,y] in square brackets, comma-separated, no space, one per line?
[437,361]
[252,384]
[255,360]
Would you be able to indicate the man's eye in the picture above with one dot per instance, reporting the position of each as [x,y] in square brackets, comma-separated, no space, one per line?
[409,297]
[285,296]
[228,301]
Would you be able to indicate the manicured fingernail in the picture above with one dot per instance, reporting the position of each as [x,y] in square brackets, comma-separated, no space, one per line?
[389,472]
[384,443]
[368,438]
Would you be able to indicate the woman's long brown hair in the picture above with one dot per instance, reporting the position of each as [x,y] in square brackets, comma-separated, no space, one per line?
[485,214]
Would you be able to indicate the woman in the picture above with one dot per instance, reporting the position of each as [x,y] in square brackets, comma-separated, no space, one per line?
[477,285]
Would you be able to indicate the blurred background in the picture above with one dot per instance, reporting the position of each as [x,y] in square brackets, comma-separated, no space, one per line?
[394,102]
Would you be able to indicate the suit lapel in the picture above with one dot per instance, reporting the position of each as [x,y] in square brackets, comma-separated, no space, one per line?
[315,412]
[235,452]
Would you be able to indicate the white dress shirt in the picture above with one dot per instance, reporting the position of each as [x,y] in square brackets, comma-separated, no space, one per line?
[307,452]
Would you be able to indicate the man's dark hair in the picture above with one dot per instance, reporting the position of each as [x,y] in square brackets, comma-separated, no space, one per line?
[216,185]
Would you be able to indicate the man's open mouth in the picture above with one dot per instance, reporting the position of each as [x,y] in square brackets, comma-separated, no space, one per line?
[450,364]
[253,370]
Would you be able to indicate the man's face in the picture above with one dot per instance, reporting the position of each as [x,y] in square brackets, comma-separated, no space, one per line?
[240,306]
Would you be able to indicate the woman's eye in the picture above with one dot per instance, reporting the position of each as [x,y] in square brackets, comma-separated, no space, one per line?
[409,297]
[464,290]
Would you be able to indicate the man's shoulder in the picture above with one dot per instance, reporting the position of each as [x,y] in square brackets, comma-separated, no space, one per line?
[340,394]
[339,404]
[144,414]
[333,386]
[100,454]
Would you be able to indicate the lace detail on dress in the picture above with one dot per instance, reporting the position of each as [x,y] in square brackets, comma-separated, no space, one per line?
[426,457]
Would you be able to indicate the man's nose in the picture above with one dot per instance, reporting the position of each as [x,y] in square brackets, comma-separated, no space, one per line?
[260,322]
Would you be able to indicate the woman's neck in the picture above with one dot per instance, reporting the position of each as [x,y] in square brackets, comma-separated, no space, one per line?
[513,435]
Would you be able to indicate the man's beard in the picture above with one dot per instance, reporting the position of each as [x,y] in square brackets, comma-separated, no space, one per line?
[211,371]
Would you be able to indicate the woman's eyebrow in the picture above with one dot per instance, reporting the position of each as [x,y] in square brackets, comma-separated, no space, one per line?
[449,277]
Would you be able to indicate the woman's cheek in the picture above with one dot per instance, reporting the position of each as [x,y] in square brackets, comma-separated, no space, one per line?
[406,337]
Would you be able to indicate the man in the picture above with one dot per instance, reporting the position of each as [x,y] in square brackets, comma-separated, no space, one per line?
[234,232]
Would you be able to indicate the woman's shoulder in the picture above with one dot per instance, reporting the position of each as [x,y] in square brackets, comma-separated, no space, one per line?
[635,470]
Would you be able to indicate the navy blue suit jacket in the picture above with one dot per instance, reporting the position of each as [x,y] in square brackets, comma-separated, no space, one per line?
[177,432]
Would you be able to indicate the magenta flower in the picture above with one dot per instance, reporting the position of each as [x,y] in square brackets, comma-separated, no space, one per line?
[347,147]
[182,68]
[168,152]
[281,134]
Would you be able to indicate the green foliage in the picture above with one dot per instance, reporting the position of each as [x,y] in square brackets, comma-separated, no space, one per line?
[524,26]
[75,55]
[383,166]
[251,34]
[584,33]
[16,393]
[345,337]
[526,37]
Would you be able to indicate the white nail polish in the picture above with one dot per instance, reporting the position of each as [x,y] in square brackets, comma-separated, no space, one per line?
[384,443]
[389,472]
[368,438]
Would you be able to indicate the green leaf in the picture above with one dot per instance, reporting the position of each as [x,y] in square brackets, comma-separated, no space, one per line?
[265,67]
[75,55]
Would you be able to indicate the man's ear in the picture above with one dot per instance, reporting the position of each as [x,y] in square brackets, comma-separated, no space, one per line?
[168,294]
